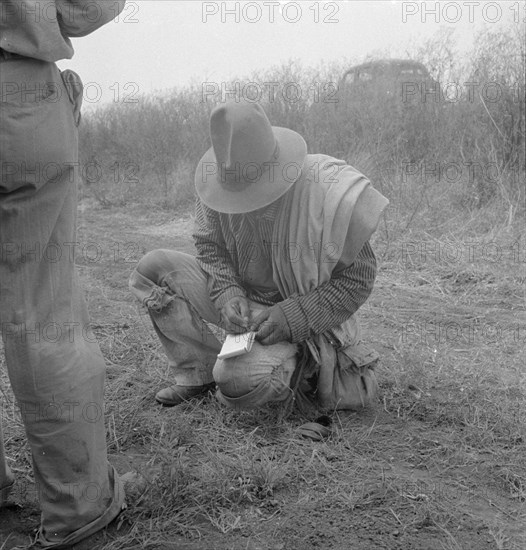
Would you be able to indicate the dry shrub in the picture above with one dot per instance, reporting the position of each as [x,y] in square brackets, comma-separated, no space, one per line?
[468,149]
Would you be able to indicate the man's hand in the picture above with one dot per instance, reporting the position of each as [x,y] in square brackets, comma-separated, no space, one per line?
[236,315]
[271,326]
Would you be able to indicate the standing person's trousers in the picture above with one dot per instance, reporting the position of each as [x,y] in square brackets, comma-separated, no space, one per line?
[55,366]
[174,289]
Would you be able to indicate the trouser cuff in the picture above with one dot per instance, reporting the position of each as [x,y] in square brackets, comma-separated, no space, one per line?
[116,506]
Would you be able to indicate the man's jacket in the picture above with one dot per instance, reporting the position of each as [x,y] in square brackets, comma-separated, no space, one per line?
[41,29]
[242,253]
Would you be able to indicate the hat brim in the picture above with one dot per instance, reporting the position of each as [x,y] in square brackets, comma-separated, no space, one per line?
[273,183]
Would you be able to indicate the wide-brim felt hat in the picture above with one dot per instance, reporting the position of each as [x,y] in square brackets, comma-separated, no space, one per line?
[251,164]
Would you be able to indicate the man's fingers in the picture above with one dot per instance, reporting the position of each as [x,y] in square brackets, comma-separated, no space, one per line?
[264,332]
[236,329]
[263,316]
[267,329]
[244,311]
[238,313]
[232,321]
[237,323]
[268,340]
[269,335]
[237,319]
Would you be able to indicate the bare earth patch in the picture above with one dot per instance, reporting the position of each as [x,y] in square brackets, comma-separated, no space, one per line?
[439,463]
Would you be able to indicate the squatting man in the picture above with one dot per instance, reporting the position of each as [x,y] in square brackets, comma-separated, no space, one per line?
[250,214]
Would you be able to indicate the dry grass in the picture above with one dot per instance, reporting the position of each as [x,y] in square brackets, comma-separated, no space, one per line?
[440,462]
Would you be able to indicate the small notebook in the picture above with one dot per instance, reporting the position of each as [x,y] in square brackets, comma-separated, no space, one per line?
[236,344]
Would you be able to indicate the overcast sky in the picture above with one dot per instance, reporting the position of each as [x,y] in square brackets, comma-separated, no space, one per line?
[160,44]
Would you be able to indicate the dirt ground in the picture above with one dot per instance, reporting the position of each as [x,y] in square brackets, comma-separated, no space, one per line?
[438,464]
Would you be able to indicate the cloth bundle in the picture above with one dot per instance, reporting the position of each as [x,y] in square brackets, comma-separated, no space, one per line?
[334,208]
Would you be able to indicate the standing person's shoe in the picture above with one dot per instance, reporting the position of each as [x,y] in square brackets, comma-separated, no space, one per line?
[175,395]
[135,485]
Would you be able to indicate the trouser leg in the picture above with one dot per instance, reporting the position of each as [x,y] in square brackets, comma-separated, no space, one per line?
[55,366]
[261,376]
[174,289]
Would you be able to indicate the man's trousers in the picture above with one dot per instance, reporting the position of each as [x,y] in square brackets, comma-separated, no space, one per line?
[174,289]
[55,366]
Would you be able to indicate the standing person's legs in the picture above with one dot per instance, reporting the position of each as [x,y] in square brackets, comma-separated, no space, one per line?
[55,366]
